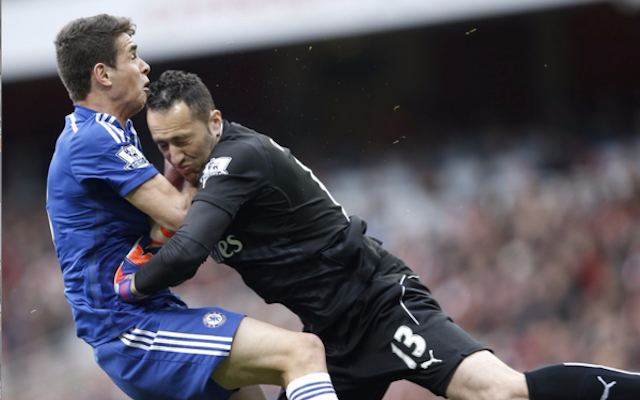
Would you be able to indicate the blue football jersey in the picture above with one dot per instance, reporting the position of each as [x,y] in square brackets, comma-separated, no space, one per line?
[96,162]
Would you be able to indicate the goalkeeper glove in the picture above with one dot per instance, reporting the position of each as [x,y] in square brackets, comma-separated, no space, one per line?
[140,253]
[159,234]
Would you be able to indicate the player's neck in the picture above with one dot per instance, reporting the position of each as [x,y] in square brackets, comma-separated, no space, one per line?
[104,105]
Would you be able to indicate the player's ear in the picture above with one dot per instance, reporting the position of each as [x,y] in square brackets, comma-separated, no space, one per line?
[215,116]
[215,120]
[101,73]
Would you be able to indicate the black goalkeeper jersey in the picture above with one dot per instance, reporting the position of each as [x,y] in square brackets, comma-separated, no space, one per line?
[282,214]
[291,242]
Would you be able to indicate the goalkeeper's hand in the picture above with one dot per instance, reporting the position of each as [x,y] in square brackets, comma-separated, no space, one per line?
[123,283]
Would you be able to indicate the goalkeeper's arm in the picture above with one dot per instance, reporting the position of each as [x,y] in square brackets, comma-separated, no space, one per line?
[181,256]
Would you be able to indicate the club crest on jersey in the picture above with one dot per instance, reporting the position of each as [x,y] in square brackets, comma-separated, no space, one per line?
[214,319]
[215,166]
[132,157]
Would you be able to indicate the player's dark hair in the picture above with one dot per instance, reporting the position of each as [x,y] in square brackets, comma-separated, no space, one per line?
[176,86]
[85,42]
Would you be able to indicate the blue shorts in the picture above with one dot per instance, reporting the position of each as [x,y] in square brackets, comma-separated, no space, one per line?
[171,354]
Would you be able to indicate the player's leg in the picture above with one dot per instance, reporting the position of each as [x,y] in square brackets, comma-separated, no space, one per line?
[483,376]
[263,353]
[480,375]
[574,381]
[171,354]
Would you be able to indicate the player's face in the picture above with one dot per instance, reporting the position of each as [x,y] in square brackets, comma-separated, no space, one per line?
[129,78]
[186,142]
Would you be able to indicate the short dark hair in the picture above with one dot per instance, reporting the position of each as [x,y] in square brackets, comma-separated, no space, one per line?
[85,42]
[176,86]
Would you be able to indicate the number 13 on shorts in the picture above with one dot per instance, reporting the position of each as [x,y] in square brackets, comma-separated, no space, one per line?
[416,346]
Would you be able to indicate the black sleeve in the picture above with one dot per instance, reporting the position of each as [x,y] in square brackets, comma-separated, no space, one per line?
[180,258]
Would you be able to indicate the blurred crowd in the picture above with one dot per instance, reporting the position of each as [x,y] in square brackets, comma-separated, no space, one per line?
[534,251]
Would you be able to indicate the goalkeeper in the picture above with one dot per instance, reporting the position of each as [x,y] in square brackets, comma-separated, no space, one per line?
[261,211]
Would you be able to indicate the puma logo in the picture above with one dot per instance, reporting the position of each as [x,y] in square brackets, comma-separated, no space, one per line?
[428,363]
[607,388]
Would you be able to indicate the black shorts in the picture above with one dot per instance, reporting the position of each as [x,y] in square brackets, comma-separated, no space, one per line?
[395,330]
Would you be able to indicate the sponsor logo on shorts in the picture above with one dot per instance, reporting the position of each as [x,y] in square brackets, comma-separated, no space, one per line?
[607,388]
[214,319]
